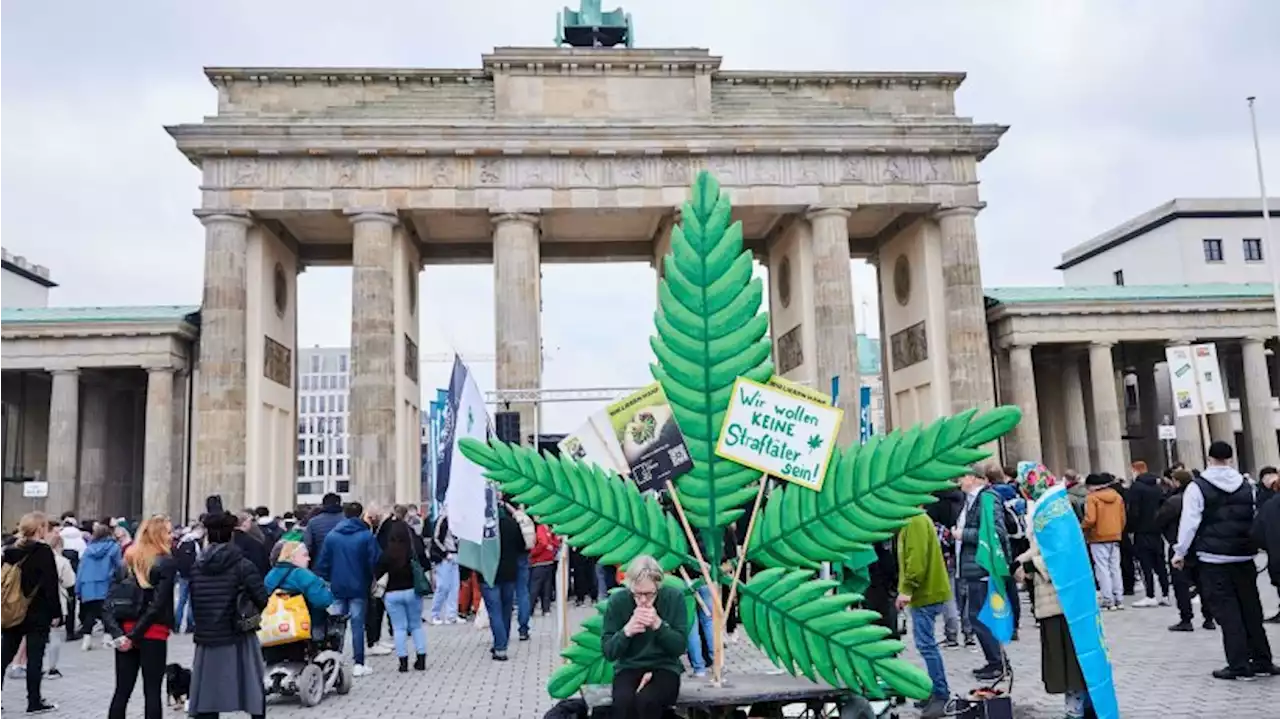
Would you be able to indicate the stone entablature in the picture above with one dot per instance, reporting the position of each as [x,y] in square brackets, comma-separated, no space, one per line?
[1037,323]
[70,346]
[581,84]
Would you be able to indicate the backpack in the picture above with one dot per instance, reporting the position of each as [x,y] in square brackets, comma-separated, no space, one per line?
[126,598]
[1015,522]
[528,529]
[13,603]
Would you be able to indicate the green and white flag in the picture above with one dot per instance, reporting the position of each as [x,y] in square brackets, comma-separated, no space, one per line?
[470,500]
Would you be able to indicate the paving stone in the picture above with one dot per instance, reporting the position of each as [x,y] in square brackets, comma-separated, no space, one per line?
[1159,675]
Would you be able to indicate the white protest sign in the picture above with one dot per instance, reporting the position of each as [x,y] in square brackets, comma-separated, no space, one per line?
[1196,380]
[779,433]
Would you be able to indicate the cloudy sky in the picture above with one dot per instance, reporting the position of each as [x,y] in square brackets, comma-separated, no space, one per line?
[1115,107]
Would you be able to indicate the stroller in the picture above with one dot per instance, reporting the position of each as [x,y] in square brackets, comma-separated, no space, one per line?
[309,669]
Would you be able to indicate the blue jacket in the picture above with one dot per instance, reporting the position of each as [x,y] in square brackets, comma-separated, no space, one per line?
[98,563]
[297,580]
[347,558]
[319,526]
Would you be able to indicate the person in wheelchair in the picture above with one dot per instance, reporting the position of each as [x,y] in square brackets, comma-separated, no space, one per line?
[291,574]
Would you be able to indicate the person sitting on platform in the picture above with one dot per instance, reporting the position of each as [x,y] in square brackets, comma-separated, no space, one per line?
[644,635]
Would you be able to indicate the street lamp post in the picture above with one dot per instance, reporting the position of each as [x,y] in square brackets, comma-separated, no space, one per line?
[1274,259]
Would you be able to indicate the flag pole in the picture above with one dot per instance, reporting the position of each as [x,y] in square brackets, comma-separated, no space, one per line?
[1274,259]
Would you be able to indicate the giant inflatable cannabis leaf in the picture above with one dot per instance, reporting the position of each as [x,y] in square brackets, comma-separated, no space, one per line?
[600,513]
[872,490]
[709,332]
[808,632]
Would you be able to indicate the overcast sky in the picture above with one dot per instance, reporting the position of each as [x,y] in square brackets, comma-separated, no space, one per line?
[1115,107]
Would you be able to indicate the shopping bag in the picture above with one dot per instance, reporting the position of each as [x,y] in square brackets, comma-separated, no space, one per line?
[286,619]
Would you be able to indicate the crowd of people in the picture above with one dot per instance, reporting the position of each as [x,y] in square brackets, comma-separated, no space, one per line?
[1187,533]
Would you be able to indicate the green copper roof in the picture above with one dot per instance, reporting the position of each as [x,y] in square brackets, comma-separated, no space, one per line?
[1113,293]
[868,355]
[138,313]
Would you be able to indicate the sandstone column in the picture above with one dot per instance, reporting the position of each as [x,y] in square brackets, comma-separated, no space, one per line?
[1152,448]
[93,451]
[220,396]
[1106,410]
[372,397]
[157,463]
[834,328]
[517,287]
[64,430]
[1077,428]
[968,351]
[1190,443]
[1052,422]
[1255,404]
[1023,386]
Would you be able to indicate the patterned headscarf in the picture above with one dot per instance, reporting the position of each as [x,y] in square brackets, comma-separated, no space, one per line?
[1034,479]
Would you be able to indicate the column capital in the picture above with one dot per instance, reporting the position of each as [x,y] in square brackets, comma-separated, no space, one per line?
[943,213]
[1180,342]
[356,215]
[64,370]
[156,368]
[525,217]
[1100,344]
[1254,339]
[214,217]
[815,213]
[1022,345]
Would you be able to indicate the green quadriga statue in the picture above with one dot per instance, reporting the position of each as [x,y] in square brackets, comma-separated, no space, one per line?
[591,27]
[709,330]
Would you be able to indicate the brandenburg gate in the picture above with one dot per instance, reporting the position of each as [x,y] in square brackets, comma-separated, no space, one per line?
[566,155]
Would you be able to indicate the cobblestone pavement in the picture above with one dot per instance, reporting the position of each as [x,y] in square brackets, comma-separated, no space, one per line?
[1159,675]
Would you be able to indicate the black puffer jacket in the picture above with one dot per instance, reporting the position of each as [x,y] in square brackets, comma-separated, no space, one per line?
[39,581]
[1142,505]
[217,578]
[157,602]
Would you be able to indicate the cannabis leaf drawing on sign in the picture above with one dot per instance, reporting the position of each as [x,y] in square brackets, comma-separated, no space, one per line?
[815,442]
[709,332]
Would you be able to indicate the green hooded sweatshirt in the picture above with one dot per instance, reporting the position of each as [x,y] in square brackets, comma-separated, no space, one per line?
[922,573]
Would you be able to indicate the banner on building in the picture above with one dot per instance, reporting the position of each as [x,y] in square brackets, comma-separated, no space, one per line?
[1196,380]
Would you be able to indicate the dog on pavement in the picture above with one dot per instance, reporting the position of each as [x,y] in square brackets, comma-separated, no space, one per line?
[177,683]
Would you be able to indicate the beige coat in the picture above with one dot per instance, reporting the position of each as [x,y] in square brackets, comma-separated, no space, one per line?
[1047,604]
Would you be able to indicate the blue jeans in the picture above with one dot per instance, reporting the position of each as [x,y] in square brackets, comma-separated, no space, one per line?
[960,592]
[977,589]
[524,605]
[923,620]
[500,602]
[404,607]
[703,622]
[445,603]
[354,610]
[184,599]
[602,585]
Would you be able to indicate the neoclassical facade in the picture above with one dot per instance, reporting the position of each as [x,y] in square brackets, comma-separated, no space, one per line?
[1063,354]
[566,155]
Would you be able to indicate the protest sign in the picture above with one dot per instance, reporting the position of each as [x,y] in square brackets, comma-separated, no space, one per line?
[779,433]
[645,428]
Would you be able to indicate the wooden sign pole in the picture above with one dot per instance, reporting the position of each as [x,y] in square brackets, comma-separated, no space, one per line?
[716,606]
[742,548]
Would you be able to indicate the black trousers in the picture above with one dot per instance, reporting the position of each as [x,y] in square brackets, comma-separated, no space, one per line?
[90,613]
[1127,574]
[37,640]
[374,612]
[1232,592]
[70,619]
[1183,581]
[542,584]
[659,695]
[148,656]
[1148,549]
[214,715]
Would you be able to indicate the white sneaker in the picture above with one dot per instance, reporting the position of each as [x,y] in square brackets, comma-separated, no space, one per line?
[389,644]
[1146,603]
[86,643]
[456,620]
[436,621]
[1118,606]
[700,674]
[1164,601]
[378,650]
[361,670]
